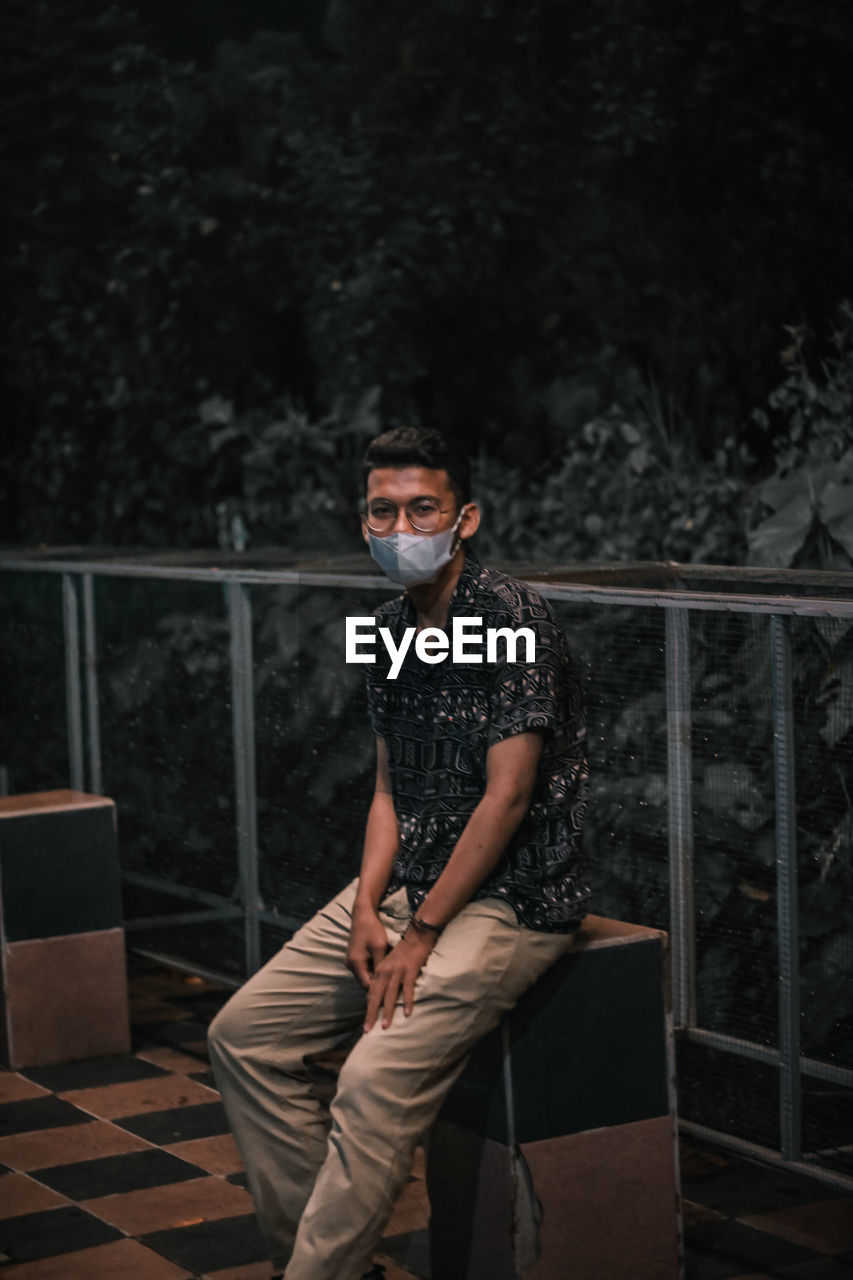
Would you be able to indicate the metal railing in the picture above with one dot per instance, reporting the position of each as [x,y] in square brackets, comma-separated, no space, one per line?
[828,595]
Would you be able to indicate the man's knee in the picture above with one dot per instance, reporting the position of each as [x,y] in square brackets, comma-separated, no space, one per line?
[227,1032]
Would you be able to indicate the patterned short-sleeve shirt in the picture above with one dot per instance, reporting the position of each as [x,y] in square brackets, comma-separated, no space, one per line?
[439,721]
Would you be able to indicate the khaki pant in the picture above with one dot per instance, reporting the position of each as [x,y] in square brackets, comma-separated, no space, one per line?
[324,1184]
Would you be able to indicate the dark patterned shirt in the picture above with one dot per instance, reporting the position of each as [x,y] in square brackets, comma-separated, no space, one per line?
[439,721]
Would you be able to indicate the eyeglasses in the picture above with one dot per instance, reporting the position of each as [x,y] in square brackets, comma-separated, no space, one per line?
[423,514]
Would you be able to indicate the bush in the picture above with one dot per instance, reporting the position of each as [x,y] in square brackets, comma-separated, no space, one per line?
[802,514]
[626,487]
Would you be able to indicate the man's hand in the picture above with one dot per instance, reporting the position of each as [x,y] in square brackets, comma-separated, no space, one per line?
[368,943]
[396,973]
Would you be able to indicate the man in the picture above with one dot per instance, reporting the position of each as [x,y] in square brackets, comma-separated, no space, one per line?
[468,888]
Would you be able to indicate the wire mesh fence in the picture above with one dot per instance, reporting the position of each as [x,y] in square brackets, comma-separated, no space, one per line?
[216,707]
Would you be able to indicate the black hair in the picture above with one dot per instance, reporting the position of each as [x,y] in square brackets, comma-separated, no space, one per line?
[421,447]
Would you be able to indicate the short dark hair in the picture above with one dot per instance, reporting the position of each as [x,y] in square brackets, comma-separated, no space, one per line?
[421,447]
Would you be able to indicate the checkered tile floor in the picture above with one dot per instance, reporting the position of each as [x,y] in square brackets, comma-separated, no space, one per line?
[123,1168]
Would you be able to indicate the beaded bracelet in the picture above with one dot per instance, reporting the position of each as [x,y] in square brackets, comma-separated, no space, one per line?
[423,926]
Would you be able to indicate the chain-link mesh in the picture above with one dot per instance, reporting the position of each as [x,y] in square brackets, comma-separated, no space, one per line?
[734,900]
[166,730]
[315,750]
[33,723]
[823,711]
[166,724]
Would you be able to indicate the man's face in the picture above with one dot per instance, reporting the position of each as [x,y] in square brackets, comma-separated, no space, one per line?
[409,500]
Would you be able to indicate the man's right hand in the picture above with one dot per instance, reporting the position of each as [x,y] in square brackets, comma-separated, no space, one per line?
[368,943]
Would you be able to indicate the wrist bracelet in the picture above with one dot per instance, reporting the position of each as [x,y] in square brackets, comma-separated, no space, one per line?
[420,925]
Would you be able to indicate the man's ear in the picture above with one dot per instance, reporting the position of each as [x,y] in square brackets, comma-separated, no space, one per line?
[365,532]
[470,521]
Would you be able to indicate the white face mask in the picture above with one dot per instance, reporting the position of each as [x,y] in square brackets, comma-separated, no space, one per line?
[414,559]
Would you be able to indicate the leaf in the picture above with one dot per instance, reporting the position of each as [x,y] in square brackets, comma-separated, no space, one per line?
[833,630]
[639,459]
[835,509]
[778,491]
[839,704]
[730,788]
[220,438]
[655,790]
[776,541]
[715,880]
[216,411]
[826,980]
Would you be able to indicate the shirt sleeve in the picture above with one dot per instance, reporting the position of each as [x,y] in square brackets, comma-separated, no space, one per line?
[376,678]
[373,710]
[531,696]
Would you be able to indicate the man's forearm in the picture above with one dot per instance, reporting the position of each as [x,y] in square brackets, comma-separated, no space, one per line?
[511,767]
[510,776]
[478,851]
[380,848]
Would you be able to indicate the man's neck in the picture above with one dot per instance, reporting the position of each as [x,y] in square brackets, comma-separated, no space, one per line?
[432,600]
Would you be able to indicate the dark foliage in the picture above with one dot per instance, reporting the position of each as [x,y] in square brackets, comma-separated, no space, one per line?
[505,216]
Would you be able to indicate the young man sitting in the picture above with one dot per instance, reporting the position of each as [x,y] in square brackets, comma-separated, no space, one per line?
[469,885]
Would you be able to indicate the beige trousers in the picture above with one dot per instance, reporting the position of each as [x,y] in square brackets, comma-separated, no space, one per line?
[325,1182]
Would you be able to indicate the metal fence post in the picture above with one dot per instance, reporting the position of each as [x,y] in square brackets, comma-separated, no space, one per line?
[680,815]
[243,722]
[73,704]
[786,888]
[90,659]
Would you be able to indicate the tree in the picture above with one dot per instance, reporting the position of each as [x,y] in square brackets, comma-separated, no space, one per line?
[506,216]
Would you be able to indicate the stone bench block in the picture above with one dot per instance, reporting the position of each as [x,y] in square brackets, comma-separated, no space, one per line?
[64,991]
[588,1142]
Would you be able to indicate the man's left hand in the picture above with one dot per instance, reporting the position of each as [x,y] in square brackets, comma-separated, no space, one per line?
[395,974]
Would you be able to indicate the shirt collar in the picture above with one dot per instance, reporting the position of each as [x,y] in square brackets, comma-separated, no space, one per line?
[464,593]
